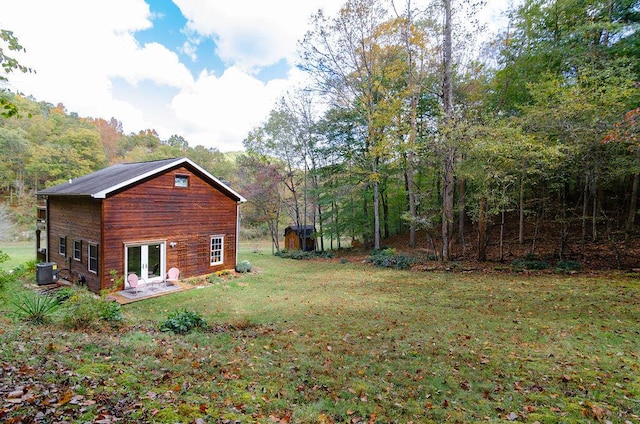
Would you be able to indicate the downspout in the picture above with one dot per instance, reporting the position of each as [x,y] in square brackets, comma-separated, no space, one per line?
[48,230]
[237,232]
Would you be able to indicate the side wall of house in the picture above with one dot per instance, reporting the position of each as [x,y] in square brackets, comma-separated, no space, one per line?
[76,220]
[185,217]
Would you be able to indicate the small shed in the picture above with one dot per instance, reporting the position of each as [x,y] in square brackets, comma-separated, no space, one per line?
[300,237]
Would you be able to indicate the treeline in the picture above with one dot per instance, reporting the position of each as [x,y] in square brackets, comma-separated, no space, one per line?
[419,133]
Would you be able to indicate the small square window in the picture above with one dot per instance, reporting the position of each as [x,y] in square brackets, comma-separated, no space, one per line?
[181,181]
[77,250]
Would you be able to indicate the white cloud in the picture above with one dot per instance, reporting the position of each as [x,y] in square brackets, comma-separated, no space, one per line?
[226,108]
[256,34]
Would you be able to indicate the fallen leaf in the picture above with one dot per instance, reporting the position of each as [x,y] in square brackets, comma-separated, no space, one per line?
[15,394]
[66,398]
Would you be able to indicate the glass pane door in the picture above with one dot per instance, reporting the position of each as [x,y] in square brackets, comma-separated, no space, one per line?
[146,261]
[134,260]
[154,258]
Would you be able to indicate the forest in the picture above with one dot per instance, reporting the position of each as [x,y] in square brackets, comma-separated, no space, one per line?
[524,144]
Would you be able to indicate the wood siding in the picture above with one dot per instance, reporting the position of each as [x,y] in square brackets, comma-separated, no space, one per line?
[76,219]
[155,210]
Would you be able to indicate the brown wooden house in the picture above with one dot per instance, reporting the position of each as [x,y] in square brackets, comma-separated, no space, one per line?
[142,218]
[300,238]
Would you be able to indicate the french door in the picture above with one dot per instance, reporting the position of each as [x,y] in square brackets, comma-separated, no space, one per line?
[147,261]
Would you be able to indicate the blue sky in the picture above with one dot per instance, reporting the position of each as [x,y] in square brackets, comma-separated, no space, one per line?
[207,70]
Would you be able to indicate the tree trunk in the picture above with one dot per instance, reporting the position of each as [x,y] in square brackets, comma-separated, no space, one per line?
[585,209]
[594,212]
[631,218]
[385,213]
[412,199]
[482,230]
[320,227]
[449,152]
[521,218]
[462,193]
[501,254]
[376,215]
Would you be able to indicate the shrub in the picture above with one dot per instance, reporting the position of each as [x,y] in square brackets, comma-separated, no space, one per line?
[111,312]
[64,294]
[568,266]
[84,310]
[183,321]
[387,258]
[6,278]
[35,308]
[530,263]
[244,266]
[301,254]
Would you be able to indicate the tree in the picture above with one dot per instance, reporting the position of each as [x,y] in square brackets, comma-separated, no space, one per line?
[9,64]
[261,184]
[420,65]
[279,138]
[448,149]
[355,63]
[627,133]
[13,148]
[7,226]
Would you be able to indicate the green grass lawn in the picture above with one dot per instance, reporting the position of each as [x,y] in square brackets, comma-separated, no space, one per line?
[325,341]
[19,253]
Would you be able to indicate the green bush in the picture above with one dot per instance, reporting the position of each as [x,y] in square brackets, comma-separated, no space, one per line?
[388,258]
[3,257]
[302,255]
[244,266]
[64,293]
[6,278]
[531,262]
[568,266]
[35,308]
[111,312]
[183,321]
[83,310]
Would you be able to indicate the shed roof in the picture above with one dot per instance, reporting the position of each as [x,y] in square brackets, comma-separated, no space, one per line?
[101,183]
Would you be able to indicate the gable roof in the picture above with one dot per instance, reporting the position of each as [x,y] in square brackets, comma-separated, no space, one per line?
[106,181]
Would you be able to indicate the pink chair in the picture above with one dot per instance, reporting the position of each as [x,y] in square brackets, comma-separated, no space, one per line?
[132,279]
[172,276]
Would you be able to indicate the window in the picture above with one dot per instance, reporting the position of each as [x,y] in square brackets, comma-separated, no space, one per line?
[77,250]
[217,250]
[62,246]
[93,258]
[181,181]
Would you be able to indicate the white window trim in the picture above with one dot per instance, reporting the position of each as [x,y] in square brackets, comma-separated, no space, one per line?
[89,245]
[221,261]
